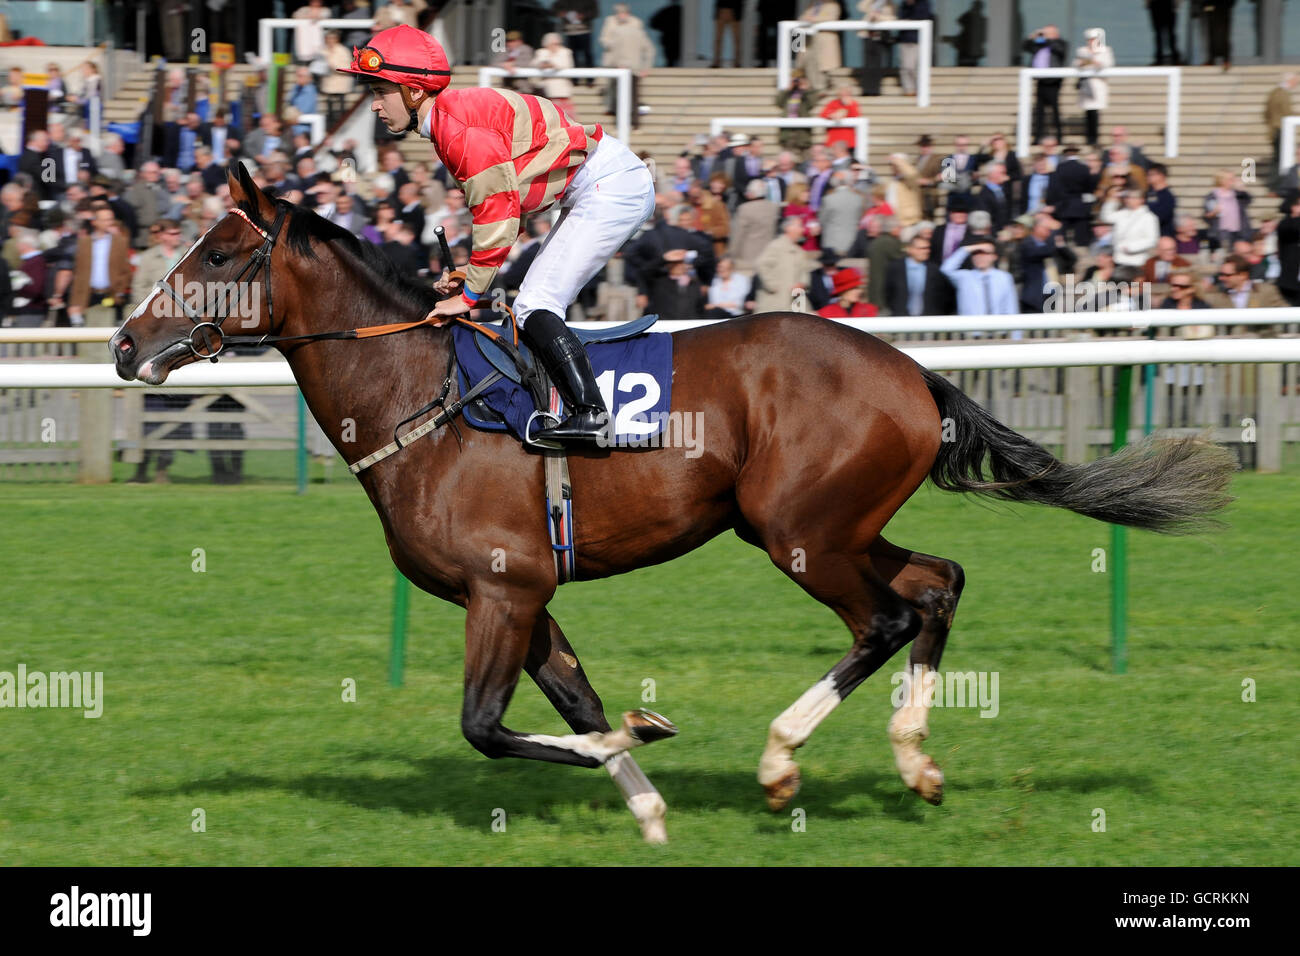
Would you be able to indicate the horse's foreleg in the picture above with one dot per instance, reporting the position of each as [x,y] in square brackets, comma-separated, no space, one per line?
[932,586]
[555,668]
[498,634]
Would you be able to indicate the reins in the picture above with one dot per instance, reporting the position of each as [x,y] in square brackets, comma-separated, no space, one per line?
[261,258]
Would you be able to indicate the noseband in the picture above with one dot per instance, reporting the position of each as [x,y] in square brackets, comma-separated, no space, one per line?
[207,339]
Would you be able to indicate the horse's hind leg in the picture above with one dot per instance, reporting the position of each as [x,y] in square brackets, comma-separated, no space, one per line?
[881,623]
[932,586]
[554,666]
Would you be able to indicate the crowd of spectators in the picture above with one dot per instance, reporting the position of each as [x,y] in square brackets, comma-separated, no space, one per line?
[741,224]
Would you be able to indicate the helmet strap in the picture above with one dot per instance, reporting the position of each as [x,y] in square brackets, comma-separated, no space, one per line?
[412,104]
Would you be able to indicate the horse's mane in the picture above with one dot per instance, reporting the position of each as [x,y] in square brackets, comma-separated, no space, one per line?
[302,226]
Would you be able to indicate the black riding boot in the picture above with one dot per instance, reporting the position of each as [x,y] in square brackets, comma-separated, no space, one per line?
[566,362]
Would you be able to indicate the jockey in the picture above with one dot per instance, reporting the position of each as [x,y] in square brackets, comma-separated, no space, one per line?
[515,154]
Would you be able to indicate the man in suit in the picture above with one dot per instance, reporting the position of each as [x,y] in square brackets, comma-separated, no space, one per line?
[1288,251]
[264,140]
[180,140]
[1046,49]
[914,285]
[782,271]
[1165,262]
[149,200]
[1077,184]
[948,237]
[346,214]
[222,138]
[746,163]
[929,172]
[71,159]
[1239,291]
[994,196]
[101,278]
[212,174]
[402,249]
[841,208]
[1044,258]
[885,248]
[1041,192]
[33,163]
[753,226]
[648,256]
[512,274]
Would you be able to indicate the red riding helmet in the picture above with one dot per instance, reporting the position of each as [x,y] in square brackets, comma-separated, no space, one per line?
[405,56]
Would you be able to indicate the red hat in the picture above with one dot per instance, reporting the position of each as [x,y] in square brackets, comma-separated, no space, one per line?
[405,56]
[845,280]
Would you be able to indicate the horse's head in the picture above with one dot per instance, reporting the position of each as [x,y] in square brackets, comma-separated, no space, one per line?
[220,287]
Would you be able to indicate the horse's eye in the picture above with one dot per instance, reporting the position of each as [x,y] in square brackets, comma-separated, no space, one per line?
[216,259]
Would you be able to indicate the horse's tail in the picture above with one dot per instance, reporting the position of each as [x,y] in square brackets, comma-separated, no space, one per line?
[1167,485]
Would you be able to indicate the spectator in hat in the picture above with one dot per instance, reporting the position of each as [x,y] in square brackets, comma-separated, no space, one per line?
[516,55]
[949,237]
[847,292]
[929,172]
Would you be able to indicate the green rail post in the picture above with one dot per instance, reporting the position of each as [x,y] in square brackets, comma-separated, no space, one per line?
[302,444]
[1119,533]
[397,650]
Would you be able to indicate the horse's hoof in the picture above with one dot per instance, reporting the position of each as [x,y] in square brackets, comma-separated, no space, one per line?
[929,786]
[647,726]
[654,832]
[783,790]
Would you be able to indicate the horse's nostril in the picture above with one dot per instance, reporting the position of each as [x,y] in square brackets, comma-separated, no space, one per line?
[122,346]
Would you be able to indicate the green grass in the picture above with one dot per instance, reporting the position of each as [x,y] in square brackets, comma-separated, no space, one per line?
[223,692]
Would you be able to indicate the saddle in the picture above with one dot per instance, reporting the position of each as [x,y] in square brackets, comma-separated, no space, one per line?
[519,365]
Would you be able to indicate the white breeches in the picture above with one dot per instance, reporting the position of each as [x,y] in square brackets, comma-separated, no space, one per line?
[611,194]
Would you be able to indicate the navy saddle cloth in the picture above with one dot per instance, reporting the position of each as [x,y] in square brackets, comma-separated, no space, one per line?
[634,371]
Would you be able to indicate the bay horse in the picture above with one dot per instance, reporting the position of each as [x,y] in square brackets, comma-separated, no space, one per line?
[814,434]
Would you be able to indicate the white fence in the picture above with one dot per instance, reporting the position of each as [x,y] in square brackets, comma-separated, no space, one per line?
[1172,74]
[1057,392]
[787,29]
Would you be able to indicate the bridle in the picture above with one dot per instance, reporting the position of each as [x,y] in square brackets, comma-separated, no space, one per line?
[214,339]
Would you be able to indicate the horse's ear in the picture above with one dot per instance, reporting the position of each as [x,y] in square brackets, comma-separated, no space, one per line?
[244,190]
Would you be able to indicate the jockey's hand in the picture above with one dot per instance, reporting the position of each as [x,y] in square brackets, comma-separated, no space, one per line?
[446,285]
[447,308]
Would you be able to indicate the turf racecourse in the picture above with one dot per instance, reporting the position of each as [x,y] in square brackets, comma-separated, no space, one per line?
[223,691]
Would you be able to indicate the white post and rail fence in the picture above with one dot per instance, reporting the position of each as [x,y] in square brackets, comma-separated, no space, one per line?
[1267,354]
